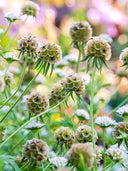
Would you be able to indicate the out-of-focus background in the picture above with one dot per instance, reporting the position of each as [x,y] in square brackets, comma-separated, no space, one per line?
[53,23]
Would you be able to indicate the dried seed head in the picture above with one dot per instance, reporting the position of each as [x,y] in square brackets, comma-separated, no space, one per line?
[99,48]
[120,126]
[8,78]
[37,103]
[28,44]
[83,134]
[85,149]
[30,8]
[36,151]
[124,56]
[74,83]
[80,31]
[50,52]
[56,95]
[64,135]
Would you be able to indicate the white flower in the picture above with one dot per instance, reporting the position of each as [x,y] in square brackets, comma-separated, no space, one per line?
[10,16]
[116,153]
[104,121]
[82,113]
[106,37]
[58,161]
[1,31]
[24,98]
[61,63]
[51,154]
[60,72]
[34,125]
[10,57]
[123,110]
[70,58]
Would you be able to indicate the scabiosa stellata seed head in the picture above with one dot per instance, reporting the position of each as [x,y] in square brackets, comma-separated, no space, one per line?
[37,103]
[64,135]
[36,151]
[30,8]
[118,128]
[80,31]
[11,17]
[27,46]
[85,149]
[56,94]
[74,83]
[58,161]
[99,50]
[8,78]
[104,121]
[116,153]
[83,134]
[82,114]
[49,54]
[124,57]
[123,111]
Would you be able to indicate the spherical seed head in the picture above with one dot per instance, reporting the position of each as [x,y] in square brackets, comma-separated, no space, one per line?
[37,103]
[83,134]
[56,94]
[8,78]
[2,83]
[36,151]
[28,44]
[116,153]
[99,48]
[120,126]
[64,135]
[50,52]
[74,83]
[30,8]
[85,149]
[124,56]
[80,31]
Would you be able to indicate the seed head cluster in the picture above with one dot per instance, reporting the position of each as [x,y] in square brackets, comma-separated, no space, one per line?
[36,151]
[124,56]
[37,103]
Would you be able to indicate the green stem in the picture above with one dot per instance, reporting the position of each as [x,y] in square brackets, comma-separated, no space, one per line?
[47,166]
[104,144]
[91,113]
[3,51]
[104,169]
[20,81]
[33,118]
[121,104]
[78,61]
[6,30]
[18,99]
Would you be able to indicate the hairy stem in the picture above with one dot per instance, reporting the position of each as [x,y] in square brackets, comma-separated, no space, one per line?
[91,112]
[33,118]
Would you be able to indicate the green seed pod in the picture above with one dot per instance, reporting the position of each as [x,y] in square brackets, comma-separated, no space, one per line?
[83,134]
[121,126]
[30,8]
[80,31]
[56,95]
[36,151]
[50,52]
[37,103]
[74,83]
[84,149]
[64,135]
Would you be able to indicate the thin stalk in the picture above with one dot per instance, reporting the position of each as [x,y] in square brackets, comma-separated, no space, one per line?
[46,167]
[20,82]
[122,103]
[91,113]
[104,169]
[33,118]
[18,99]
[7,68]
[104,144]
[6,30]
[3,51]
[78,61]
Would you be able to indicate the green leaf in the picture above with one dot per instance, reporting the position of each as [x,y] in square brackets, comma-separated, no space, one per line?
[88,64]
